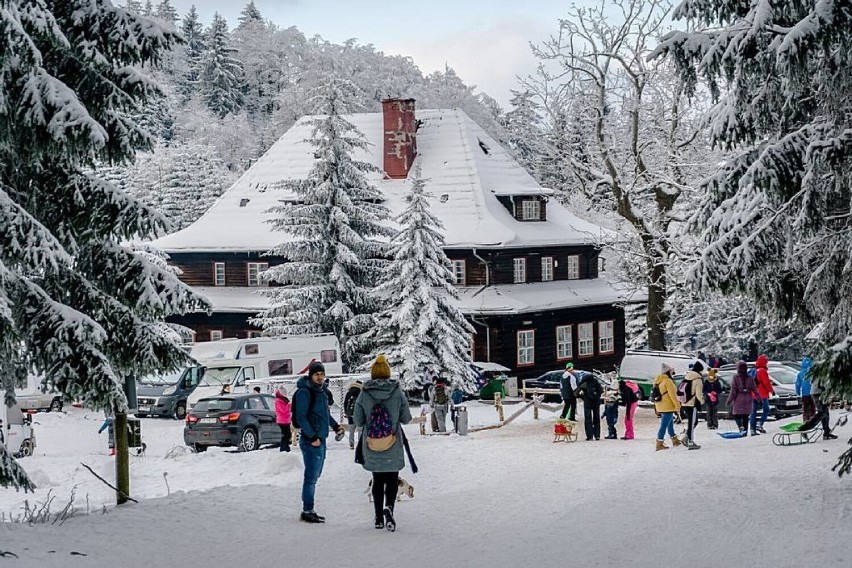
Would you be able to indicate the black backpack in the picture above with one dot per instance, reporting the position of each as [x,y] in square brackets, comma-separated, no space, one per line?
[293,409]
[656,395]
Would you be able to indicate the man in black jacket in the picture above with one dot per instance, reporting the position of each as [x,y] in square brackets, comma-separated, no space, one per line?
[590,391]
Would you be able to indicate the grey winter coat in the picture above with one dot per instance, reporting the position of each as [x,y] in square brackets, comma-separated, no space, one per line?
[387,392]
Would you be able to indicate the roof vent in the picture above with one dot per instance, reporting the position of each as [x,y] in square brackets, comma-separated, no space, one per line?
[244,201]
[445,197]
[486,150]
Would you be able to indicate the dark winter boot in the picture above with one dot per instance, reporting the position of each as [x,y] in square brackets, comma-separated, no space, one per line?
[380,523]
[829,436]
[390,523]
[311,517]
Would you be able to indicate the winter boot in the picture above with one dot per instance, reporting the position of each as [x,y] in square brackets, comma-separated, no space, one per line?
[311,517]
[661,445]
[829,436]
[390,523]
[380,523]
[754,433]
[692,446]
[676,442]
[761,429]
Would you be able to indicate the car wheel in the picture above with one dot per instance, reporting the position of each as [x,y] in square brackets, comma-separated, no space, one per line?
[249,440]
[26,448]
[198,448]
[180,410]
[55,405]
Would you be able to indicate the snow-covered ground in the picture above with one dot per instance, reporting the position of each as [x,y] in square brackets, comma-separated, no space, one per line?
[499,498]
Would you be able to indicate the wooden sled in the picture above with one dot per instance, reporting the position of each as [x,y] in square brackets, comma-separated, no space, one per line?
[563,431]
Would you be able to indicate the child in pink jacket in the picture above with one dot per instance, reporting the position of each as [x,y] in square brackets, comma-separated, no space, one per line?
[282,417]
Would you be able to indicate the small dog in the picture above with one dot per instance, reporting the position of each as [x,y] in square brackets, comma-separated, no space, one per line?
[404,488]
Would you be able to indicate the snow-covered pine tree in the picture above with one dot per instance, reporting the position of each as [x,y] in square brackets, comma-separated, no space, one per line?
[250,16]
[523,130]
[76,305]
[780,209]
[332,226]
[419,323]
[221,73]
[188,81]
[166,13]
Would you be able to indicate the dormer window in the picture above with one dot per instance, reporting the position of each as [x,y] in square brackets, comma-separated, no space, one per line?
[530,210]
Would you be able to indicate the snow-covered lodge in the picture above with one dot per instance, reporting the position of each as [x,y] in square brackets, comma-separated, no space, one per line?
[527,269]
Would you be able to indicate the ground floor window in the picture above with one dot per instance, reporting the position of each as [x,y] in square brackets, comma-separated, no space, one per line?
[526,347]
[586,339]
[215,334]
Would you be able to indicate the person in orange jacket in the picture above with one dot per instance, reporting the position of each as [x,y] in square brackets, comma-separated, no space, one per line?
[761,395]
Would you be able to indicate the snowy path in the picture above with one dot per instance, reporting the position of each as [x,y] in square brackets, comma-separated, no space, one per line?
[502,498]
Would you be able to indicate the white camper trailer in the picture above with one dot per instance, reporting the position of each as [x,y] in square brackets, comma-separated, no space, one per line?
[16,430]
[229,363]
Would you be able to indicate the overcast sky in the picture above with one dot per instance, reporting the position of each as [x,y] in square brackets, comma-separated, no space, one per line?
[485,41]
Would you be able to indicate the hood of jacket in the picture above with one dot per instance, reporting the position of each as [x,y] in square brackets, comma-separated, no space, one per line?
[306,383]
[807,363]
[278,394]
[381,389]
[762,361]
[742,368]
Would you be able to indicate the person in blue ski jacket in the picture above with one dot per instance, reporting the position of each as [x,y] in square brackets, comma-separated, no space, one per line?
[803,389]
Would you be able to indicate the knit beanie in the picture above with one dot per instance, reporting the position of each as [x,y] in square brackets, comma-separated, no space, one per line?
[698,367]
[380,368]
[315,367]
[569,366]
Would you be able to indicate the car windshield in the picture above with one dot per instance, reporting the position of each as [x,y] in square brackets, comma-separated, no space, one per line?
[162,379]
[214,404]
[218,376]
[784,375]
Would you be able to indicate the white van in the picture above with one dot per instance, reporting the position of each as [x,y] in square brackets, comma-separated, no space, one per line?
[642,367]
[229,363]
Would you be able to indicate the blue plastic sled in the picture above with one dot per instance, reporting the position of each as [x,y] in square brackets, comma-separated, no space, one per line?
[732,434]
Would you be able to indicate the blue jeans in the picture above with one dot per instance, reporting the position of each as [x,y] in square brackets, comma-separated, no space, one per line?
[756,405]
[666,424]
[314,458]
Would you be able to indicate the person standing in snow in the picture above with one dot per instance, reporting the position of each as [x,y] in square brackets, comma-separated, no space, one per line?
[313,416]
[803,389]
[349,410]
[822,414]
[629,394]
[567,386]
[667,407]
[695,400]
[439,398]
[384,462]
[712,393]
[283,418]
[763,392]
[740,398]
[428,379]
[590,391]
[610,399]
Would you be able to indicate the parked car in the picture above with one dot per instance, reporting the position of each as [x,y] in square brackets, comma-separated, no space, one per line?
[784,403]
[166,395]
[51,402]
[243,420]
[550,380]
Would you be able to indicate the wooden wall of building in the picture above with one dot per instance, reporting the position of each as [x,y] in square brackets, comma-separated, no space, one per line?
[197,267]
[501,263]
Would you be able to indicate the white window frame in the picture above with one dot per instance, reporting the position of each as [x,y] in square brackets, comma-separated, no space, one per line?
[546,268]
[586,345]
[218,273]
[573,267]
[519,270]
[526,352]
[216,334]
[257,267]
[530,210]
[564,344]
[606,336]
[459,272]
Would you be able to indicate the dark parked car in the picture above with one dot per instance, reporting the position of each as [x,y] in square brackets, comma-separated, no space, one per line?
[550,380]
[243,420]
[785,402]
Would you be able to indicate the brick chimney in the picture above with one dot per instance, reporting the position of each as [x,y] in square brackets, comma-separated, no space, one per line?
[400,138]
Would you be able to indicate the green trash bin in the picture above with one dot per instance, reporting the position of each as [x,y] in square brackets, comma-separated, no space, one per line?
[495,385]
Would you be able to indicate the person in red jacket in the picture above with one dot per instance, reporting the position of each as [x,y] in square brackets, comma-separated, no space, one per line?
[283,417]
[761,396]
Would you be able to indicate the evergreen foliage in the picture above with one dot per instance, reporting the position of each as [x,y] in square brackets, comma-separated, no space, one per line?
[76,305]
[780,209]
[221,73]
[332,226]
[419,324]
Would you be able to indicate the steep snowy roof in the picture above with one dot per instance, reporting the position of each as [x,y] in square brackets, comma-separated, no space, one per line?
[465,167]
[492,300]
